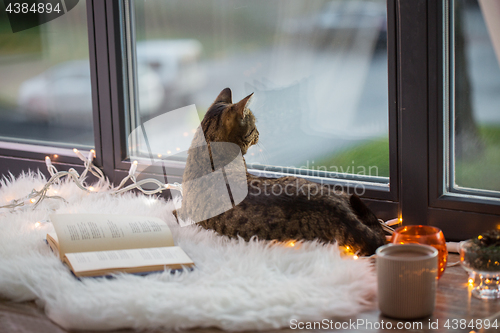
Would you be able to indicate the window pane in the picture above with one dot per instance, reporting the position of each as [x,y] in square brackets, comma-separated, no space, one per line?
[45,90]
[476,113]
[318,70]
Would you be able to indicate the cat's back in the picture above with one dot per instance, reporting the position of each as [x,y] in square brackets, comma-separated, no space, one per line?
[285,208]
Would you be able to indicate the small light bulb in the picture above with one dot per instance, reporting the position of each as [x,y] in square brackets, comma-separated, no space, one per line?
[177,149]
[37,224]
[48,162]
[355,257]
[32,200]
[91,155]
[133,168]
[347,247]
[169,152]
[55,191]
[159,155]
[91,188]
[56,156]
[80,155]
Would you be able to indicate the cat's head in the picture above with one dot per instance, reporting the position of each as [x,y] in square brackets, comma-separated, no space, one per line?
[228,122]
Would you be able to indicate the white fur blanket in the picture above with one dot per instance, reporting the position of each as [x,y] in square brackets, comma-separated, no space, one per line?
[236,285]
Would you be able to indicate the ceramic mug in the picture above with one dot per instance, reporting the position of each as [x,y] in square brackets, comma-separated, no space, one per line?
[407,280]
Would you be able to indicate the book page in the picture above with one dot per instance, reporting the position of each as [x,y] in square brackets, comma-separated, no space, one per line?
[114,260]
[99,232]
[53,242]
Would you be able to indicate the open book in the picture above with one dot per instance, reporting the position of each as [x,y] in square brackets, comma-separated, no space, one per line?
[96,244]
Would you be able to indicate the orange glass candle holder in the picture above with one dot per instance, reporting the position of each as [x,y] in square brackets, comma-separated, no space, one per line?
[423,234]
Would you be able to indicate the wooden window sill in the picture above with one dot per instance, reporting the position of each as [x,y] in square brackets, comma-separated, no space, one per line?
[453,302]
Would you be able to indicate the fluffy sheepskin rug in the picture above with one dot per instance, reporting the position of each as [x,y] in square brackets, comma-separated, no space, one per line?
[236,285]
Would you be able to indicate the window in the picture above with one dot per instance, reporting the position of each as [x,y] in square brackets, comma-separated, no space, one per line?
[402,111]
[318,71]
[45,89]
[463,197]
[474,117]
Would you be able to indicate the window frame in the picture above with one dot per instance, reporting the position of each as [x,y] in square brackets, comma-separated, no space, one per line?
[416,136]
[460,215]
[16,158]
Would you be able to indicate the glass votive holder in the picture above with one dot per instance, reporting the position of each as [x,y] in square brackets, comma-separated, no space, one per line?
[482,262]
[427,235]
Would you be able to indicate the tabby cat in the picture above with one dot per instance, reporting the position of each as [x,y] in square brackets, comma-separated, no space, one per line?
[282,209]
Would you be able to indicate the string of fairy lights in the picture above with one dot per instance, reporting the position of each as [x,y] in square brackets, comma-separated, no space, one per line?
[34,198]
[37,196]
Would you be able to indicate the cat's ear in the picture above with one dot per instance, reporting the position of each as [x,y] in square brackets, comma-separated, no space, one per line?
[241,107]
[225,96]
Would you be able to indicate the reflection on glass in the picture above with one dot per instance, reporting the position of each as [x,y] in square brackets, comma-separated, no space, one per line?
[318,70]
[476,112]
[45,90]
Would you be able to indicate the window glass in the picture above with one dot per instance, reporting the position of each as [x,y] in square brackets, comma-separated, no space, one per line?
[45,90]
[318,71]
[475,117]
